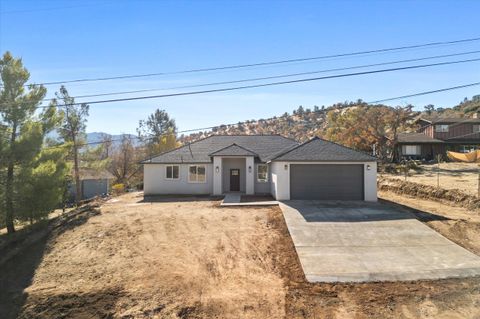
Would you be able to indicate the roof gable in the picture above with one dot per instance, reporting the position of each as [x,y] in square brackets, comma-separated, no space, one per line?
[321,150]
[233,150]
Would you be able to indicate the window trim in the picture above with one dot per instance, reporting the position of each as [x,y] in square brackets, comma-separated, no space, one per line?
[418,150]
[172,178]
[478,128]
[197,181]
[266,177]
[438,130]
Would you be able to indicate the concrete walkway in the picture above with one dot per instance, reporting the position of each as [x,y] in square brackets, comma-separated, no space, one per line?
[360,242]
[235,200]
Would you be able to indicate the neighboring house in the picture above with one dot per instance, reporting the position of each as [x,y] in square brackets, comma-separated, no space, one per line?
[438,135]
[93,183]
[263,164]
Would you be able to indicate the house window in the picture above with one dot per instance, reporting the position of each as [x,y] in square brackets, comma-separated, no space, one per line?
[262,173]
[196,174]
[172,171]
[467,148]
[476,128]
[441,128]
[411,150]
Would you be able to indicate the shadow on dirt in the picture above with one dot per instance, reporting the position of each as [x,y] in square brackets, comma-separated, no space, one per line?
[27,252]
[419,214]
[100,304]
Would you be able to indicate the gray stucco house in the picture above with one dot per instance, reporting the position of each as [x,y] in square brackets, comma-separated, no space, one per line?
[263,164]
[93,183]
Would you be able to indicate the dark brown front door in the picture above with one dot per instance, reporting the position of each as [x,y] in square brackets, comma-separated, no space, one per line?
[234,180]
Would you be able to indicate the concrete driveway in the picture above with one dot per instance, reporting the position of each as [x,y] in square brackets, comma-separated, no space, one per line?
[359,242]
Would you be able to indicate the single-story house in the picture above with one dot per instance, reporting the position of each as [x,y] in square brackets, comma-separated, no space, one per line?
[93,183]
[263,164]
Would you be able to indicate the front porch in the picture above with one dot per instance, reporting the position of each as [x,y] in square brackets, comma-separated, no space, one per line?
[233,174]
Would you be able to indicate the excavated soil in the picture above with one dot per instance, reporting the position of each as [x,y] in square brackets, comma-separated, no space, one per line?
[189,258]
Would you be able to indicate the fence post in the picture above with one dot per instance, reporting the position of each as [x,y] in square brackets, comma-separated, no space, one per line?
[478,190]
[439,157]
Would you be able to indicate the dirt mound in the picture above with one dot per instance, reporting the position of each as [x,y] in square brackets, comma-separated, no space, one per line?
[450,196]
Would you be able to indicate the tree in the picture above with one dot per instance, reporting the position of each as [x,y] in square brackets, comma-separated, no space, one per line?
[364,126]
[72,130]
[123,160]
[158,132]
[429,108]
[24,131]
[41,184]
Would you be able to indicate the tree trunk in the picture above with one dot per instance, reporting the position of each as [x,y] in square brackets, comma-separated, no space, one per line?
[9,199]
[9,185]
[78,185]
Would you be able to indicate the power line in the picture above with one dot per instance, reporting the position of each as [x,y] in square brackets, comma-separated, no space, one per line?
[278,62]
[275,76]
[268,84]
[271,118]
[425,93]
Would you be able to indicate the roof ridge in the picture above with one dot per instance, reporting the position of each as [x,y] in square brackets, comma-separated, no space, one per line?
[173,149]
[294,148]
[234,144]
[321,139]
[349,148]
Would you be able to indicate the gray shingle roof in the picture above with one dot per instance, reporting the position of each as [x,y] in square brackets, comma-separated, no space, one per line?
[199,152]
[416,138]
[233,150]
[321,150]
[436,120]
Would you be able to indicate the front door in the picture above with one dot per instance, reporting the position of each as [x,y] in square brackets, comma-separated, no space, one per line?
[234,180]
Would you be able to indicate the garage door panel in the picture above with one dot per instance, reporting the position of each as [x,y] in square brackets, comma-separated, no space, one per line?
[327,181]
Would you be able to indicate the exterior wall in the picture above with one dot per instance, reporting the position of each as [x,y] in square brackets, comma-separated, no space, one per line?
[155,183]
[280,182]
[455,130]
[249,176]
[427,151]
[231,163]
[262,187]
[94,187]
[217,176]
[281,179]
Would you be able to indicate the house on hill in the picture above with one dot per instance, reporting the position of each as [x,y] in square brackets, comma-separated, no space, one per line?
[436,136]
[263,164]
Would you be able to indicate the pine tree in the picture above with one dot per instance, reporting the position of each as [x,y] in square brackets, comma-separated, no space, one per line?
[72,131]
[23,134]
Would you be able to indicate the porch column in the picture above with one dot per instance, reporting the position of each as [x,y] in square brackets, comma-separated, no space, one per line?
[249,175]
[217,175]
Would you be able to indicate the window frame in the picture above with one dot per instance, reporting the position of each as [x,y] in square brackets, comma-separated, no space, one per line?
[196,181]
[172,178]
[442,128]
[266,174]
[418,150]
[476,126]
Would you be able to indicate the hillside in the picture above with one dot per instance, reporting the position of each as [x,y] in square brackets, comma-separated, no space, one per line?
[304,123]
[301,125]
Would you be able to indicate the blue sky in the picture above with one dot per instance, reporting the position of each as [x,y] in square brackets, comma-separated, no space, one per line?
[62,40]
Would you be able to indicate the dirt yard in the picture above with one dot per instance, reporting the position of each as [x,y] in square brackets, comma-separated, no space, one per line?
[192,259]
[462,176]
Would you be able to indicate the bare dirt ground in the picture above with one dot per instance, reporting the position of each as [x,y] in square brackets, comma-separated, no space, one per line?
[462,176]
[192,259]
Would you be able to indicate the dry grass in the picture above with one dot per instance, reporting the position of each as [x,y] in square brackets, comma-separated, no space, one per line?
[462,176]
[193,259]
